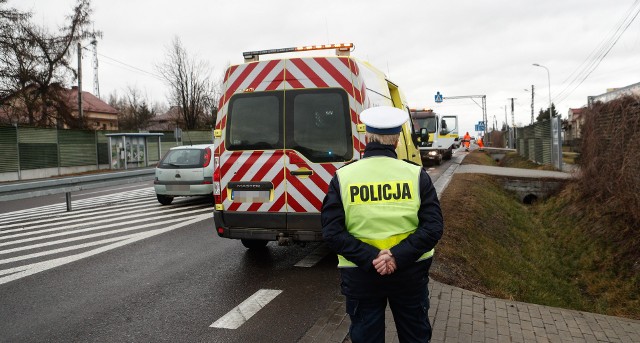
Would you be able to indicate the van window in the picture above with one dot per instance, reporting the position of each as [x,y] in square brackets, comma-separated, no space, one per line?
[318,124]
[255,121]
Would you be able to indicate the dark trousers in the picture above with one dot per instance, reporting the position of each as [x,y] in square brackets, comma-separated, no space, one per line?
[409,306]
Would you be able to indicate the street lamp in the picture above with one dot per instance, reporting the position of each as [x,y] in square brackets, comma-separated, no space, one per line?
[553,160]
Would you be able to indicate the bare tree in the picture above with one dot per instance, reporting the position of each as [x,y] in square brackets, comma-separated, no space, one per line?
[35,64]
[190,86]
[134,109]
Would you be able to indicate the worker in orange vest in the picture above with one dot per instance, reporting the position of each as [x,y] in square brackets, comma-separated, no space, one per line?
[480,143]
[466,141]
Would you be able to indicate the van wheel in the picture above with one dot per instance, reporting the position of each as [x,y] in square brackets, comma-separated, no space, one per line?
[254,243]
[164,199]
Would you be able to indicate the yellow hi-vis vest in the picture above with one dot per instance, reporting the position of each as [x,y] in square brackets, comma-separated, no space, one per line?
[381,198]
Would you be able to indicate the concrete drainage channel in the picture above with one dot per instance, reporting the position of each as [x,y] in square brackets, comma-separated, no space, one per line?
[532,190]
[530,185]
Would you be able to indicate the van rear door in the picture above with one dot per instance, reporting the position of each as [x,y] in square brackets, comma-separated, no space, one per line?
[252,167]
[318,141]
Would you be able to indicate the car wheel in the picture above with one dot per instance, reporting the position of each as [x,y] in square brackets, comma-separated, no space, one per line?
[164,199]
[254,243]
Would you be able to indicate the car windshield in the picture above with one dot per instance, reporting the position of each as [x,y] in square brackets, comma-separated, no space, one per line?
[182,158]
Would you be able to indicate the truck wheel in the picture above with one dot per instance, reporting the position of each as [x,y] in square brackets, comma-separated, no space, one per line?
[164,199]
[254,243]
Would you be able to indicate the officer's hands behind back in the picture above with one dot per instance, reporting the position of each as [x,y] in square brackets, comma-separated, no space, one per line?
[385,263]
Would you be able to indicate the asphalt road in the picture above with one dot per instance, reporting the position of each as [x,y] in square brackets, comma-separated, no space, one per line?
[120,267]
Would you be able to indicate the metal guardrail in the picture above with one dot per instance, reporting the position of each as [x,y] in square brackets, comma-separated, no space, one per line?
[24,190]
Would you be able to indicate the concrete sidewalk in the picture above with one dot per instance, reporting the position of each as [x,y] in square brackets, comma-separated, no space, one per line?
[458,315]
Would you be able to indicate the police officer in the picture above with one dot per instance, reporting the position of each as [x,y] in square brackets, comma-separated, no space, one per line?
[382,217]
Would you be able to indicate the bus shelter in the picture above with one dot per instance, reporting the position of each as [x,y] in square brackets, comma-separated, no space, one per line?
[134,150]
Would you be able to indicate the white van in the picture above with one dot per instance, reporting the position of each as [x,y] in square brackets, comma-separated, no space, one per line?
[284,127]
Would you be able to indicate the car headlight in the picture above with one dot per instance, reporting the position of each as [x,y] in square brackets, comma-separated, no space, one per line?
[433,153]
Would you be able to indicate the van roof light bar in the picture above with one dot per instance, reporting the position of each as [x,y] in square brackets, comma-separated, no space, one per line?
[342,49]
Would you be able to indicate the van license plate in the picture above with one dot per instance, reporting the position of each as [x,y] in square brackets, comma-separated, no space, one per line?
[178,188]
[250,196]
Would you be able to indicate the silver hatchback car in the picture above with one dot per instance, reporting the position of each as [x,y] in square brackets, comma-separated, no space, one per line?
[184,171]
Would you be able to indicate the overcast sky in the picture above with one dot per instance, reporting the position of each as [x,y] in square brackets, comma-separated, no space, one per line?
[458,48]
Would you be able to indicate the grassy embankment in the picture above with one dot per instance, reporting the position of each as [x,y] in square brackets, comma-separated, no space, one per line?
[495,245]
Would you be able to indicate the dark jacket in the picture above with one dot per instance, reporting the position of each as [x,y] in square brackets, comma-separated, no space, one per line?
[364,279]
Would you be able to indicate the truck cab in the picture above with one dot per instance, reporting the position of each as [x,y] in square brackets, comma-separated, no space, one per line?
[442,131]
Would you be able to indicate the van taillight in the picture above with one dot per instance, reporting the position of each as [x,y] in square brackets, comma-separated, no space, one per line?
[207,157]
[217,198]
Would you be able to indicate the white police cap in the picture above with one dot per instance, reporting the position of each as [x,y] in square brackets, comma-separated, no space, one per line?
[384,120]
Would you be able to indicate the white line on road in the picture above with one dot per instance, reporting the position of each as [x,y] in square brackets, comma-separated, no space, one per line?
[70,248]
[100,234]
[34,268]
[97,227]
[241,313]
[84,203]
[102,218]
[314,257]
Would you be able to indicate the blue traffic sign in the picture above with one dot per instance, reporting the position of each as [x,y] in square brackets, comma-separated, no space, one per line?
[438,97]
[480,127]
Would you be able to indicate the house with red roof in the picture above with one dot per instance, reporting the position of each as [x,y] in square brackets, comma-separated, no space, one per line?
[24,108]
[99,115]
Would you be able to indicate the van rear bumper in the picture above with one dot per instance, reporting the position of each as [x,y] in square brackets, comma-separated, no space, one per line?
[302,227]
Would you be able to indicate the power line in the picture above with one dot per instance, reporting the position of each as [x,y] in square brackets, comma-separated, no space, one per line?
[130,67]
[603,51]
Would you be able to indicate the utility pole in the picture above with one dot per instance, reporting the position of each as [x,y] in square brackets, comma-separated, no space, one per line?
[532,95]
[80,114]
[96,85]
[506,122]
[513,119]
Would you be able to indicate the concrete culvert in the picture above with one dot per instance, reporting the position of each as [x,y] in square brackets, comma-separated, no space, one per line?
[530,199]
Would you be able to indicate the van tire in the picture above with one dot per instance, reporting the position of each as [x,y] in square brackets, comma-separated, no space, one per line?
[164,199]
[254,243]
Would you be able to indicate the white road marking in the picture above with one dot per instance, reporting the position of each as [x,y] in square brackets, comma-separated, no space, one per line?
[314,257]
[79,238]
[23,271]
[137,216]
[241,313]
[110,190]
[84,203]
[75,214]
[70,248]
[100,227]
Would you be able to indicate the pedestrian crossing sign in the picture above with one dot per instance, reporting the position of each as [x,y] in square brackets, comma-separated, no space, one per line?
[438,97]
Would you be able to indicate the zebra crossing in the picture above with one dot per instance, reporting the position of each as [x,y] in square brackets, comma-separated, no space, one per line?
[38,239]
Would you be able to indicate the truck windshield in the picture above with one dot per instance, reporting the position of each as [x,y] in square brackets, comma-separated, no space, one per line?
[426,123]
